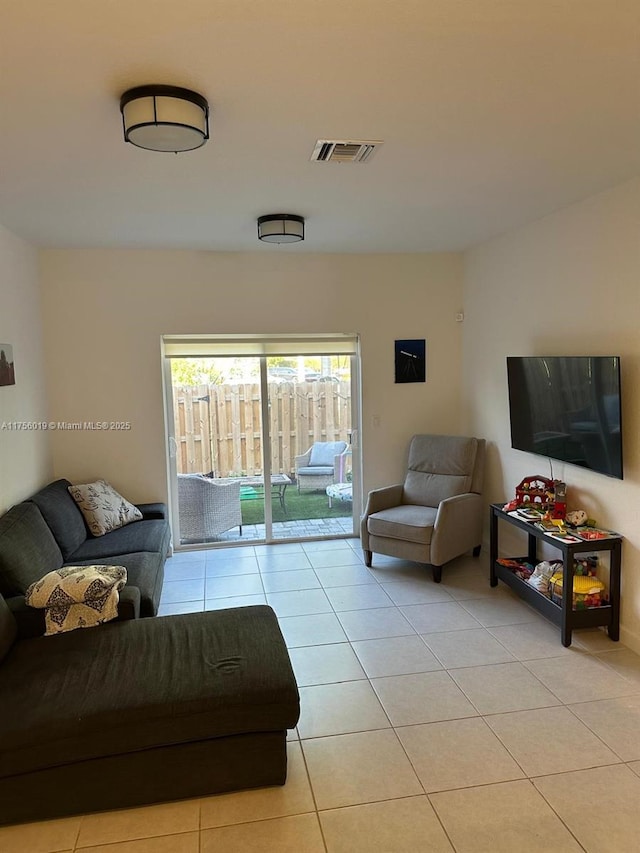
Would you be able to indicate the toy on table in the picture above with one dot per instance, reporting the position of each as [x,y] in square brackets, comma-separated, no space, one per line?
[576,518]
[587,591]
[585,564]
[559,509]
[535,490]
[540,493]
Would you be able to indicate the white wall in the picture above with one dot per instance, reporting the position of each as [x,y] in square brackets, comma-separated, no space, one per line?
[106,310]
[25,459]
[568,284]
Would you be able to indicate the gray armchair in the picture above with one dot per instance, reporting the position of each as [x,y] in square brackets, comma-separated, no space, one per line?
[207,508]
[317,468]
[436,514]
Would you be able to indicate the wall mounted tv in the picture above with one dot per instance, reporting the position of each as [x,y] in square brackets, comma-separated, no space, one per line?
[567,408]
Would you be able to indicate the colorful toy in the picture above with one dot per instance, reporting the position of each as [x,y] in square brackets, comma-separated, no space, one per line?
[590,533]
[586,565]
[587,591]
[559,509]
[536,491]
[520,568]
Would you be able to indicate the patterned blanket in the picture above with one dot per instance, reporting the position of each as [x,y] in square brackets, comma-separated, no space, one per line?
[77,596]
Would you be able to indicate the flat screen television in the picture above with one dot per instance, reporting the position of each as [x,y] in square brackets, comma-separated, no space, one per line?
[567,408]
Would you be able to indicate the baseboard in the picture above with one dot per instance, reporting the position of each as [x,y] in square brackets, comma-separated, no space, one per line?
[630,639]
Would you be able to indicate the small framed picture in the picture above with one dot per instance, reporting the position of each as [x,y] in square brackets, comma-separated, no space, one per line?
[411,360]
[7,373]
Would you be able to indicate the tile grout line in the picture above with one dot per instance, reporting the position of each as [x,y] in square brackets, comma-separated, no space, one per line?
[350,642]
[75,843]
[594,733]
[556,813]
[313,793]
[478,715]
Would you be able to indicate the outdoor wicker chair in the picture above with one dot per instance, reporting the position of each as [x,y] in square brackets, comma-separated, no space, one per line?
[207,508]
[319,466]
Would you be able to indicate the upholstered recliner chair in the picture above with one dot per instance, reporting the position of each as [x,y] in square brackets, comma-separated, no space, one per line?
[436,514]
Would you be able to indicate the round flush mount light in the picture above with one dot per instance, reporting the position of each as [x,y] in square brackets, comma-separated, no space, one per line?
[164,118]
[281,228]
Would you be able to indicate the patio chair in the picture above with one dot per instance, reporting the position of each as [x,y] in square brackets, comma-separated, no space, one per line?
[319,466]
[206,508]
[436,514]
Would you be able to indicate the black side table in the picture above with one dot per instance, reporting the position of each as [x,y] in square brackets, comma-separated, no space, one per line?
[563,615]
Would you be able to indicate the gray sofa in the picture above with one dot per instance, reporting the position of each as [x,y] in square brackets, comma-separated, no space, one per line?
[142,711]
[48,531]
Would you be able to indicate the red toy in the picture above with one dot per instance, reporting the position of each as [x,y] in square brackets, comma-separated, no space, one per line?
[535,491]
[559,500]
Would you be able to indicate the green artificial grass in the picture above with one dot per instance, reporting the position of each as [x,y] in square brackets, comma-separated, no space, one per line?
[299,507]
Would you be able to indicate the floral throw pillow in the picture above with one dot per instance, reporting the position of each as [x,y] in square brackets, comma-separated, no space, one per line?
[103,508]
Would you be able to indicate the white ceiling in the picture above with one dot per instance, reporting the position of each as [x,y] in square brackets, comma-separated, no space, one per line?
[493,113]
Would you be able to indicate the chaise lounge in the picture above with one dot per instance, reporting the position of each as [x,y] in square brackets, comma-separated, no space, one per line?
[142,711]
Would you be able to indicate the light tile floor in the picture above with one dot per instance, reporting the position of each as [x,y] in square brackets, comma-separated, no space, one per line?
[434,718]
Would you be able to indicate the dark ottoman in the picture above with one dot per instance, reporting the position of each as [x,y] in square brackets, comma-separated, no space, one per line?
[143,711]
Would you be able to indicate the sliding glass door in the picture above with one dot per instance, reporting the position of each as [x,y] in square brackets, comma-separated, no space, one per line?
[310,435]
[262,447]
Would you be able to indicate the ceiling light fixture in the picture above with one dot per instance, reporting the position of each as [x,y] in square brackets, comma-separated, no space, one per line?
[281,228]
[164,118]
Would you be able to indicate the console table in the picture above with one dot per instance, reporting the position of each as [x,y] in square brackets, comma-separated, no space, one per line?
[564,615]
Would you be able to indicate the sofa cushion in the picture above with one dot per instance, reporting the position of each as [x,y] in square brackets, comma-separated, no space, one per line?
[103,508]
[27,548]
[324,452]
[316,471]
[138,536]
[63,516]
[408,523]
[145,570]
[153,510]
[8,628]
[214,675]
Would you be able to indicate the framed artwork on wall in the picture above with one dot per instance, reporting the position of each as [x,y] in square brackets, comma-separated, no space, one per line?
[7,373]
[411,360]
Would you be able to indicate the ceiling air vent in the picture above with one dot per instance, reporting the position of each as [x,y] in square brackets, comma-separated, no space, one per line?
[344,150]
